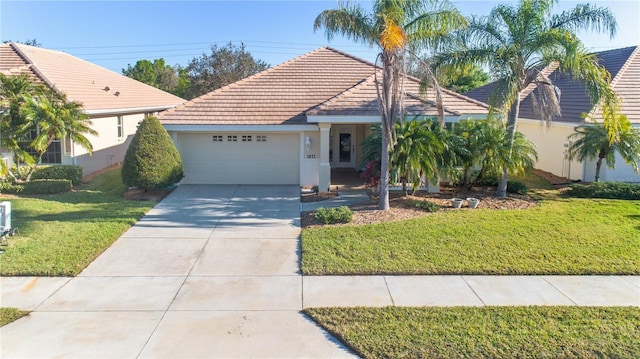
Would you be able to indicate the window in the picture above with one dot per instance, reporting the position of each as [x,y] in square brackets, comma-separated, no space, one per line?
[246,138]
[217,138]
[52,155]
[232,138]
[261,138]
[120,127]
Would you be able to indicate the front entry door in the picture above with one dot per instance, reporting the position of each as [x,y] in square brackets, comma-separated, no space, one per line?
[345,147]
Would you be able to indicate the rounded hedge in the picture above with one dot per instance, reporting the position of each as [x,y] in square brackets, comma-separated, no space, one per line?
[152,160]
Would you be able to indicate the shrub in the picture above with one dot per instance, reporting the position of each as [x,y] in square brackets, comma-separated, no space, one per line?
[8,187]
[71,173]
[516,187]
[47,186]
[426,206]
[334,215]
[152,160]
[606,190]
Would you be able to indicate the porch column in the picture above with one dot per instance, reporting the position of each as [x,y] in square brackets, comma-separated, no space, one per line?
[324,172]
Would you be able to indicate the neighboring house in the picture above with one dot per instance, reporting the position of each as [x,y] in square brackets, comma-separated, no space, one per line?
[552,141]
[293,123]
[115,103]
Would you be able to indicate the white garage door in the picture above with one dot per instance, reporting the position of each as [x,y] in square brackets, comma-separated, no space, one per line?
[240,158]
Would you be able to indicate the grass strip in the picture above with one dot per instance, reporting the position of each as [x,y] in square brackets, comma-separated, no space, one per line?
[485,332]
[8,315]
[61,234]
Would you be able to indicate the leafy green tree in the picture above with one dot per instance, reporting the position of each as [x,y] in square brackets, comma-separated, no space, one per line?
[391,26]
[157,74]
[15,92]
[517,41]
[223,66]
[30,42]
[602,141]
[53,117]
[152,159]
[462,79]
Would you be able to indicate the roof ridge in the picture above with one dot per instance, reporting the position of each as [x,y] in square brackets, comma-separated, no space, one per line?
[345,92]
[626,65]
[263,73]
[33,66]
[350,56]
[432,103]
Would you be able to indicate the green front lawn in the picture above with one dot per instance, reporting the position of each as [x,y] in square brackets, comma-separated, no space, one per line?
[487,332]
[559,236]
[59,235]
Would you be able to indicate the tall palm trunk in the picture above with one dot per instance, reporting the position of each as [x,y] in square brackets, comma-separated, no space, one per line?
[601,156]
[511,132]
[390,102]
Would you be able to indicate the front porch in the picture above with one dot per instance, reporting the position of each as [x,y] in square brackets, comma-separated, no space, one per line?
[346,179]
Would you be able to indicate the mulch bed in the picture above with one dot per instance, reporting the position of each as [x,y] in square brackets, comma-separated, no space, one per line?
[139,194]
[401,207]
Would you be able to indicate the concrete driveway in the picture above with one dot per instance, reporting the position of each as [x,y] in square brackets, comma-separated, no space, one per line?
[211,271]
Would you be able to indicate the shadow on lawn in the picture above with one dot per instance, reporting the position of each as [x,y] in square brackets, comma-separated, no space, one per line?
[636,217]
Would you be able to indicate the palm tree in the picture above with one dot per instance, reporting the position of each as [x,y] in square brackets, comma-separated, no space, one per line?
[414,153]
[516,42]
[486,147]
[603,140]
[56,118]
[15,92]
[391,26]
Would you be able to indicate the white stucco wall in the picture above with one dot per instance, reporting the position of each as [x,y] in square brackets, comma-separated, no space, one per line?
[551,145]
[310,160]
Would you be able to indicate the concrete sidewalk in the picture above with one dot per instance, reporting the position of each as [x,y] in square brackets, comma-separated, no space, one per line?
[214,271]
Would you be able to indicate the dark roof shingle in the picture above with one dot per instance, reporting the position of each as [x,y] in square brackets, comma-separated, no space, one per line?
[623,65]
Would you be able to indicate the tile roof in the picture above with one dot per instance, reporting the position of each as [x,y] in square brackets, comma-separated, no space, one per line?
[623,65]
[286,93]
[83,81]
[362,100]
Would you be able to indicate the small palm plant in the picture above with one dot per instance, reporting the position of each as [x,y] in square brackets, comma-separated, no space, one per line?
[603,140]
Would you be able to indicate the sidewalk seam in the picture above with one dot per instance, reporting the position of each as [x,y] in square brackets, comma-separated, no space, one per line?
[473,290]
[393,302]
[544,278]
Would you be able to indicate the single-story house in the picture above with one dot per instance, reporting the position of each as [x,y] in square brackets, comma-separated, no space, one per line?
[293,123]
[115,103]
[552,141]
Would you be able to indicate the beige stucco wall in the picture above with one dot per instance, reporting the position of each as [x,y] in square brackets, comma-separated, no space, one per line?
[108,149]
[550,144]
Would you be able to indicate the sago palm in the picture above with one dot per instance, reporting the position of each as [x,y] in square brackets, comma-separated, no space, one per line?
[391,26]
[516,42]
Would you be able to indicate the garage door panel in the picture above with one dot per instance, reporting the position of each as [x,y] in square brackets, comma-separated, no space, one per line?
[275,161]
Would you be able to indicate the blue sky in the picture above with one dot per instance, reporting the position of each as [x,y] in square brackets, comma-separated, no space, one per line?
[114,34]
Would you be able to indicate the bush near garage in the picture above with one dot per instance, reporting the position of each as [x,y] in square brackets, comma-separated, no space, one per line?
[152,160]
